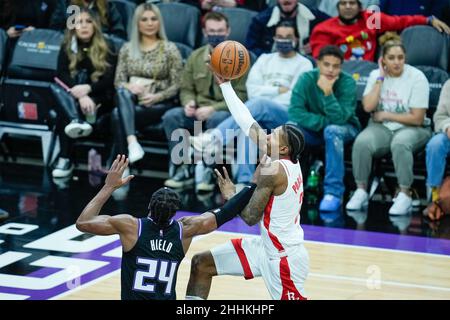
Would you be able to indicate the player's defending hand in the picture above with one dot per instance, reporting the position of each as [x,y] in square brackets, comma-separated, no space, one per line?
[114,178]
[226,186]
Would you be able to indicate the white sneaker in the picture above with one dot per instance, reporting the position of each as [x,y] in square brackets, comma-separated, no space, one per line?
[77,129]
[135,152]
[402,204]
[63,168]
[359,200]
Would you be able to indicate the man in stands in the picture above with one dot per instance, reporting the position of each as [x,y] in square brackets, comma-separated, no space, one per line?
[355,31]
[262,29]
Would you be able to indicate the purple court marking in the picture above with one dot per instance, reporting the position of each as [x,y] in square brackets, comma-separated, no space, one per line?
[352,237]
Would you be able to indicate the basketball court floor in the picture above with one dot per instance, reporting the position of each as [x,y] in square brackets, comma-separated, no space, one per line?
[362,255]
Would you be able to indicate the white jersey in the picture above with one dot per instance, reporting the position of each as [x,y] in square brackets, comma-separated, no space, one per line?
[280,225]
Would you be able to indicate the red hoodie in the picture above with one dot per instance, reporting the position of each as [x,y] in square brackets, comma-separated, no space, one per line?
[358,40]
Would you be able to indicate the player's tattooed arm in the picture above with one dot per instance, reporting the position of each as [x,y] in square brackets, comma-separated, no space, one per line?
[254,211]
[259,137]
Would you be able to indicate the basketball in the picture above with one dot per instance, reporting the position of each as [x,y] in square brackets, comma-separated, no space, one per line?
[230,59]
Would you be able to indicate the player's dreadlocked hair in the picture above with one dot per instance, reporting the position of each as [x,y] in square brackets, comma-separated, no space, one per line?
[295,140]
[163,205]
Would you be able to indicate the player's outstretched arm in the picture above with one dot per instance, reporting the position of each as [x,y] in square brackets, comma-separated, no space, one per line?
[89,220]
[240,113]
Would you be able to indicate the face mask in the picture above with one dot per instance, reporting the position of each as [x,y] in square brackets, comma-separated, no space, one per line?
[284,46]
[214,40]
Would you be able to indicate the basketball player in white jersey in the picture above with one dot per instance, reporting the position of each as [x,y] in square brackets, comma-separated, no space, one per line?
[278,255]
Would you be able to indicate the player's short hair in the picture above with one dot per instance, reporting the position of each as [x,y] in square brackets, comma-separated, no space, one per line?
[295,140]
[163,205]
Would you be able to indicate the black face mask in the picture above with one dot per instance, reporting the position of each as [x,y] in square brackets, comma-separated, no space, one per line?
[214,40]
[284,46]
[287,13]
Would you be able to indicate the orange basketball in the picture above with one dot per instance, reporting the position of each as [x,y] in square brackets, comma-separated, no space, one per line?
[230,59]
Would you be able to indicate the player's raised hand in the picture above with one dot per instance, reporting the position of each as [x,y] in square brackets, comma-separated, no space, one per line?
[218,78]
[226,186]
[114,178]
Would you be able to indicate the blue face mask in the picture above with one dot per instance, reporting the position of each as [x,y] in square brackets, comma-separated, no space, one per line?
[214,40]
[284,46]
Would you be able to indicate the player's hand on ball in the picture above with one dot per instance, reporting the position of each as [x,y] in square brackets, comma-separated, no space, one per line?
[114,178]
[226,186]
[217,77]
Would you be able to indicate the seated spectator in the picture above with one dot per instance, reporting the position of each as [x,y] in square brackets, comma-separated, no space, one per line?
[214,5]
[438,148]
[200,96]
[397,97]
[323,106]
[355,33]
[147,80]
[20,16]
[330,7]
[269,88]
[262,28]
[413,7]
[110,18]
[86,65]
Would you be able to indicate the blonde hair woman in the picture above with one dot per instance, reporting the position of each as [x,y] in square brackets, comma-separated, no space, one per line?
[147,79]
[86,70]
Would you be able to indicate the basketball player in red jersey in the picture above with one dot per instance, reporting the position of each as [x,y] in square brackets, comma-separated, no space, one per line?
[278,255]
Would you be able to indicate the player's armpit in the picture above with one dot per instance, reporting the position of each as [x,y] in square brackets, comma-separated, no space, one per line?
[254,211]
[197,225]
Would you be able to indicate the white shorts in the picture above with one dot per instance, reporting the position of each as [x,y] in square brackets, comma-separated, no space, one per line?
[284,277]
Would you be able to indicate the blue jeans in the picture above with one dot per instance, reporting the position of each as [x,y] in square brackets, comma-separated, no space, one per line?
[334,137]
[438,148]
[269,115]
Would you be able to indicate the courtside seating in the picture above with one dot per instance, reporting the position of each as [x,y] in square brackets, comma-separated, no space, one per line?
[182,22]
[126,10]
[425,46]
[239,20]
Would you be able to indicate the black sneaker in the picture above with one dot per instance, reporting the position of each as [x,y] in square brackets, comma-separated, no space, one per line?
[183,176]
[63,168]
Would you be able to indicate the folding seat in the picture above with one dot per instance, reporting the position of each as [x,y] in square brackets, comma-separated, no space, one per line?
[182,22]
[26,97]
[425,46]
[239,20]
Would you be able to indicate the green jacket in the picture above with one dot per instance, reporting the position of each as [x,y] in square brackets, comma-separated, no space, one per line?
[312,110]
[197,79]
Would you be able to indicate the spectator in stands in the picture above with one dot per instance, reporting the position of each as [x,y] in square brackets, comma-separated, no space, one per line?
[110,18]
[147,79]
[330,7]
[262,28]
[323,106]
[413,7]
[18,16]
[438,148]
[397,97]
[269,88]
[200,96]
[214,5]
[86,65]
[355,31]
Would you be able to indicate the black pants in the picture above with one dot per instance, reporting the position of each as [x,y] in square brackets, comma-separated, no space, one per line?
[68,109]
[129,117]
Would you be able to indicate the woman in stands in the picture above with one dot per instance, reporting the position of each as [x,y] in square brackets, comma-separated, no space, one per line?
[86,67]
[147,80]
[110,18]
[397,96]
